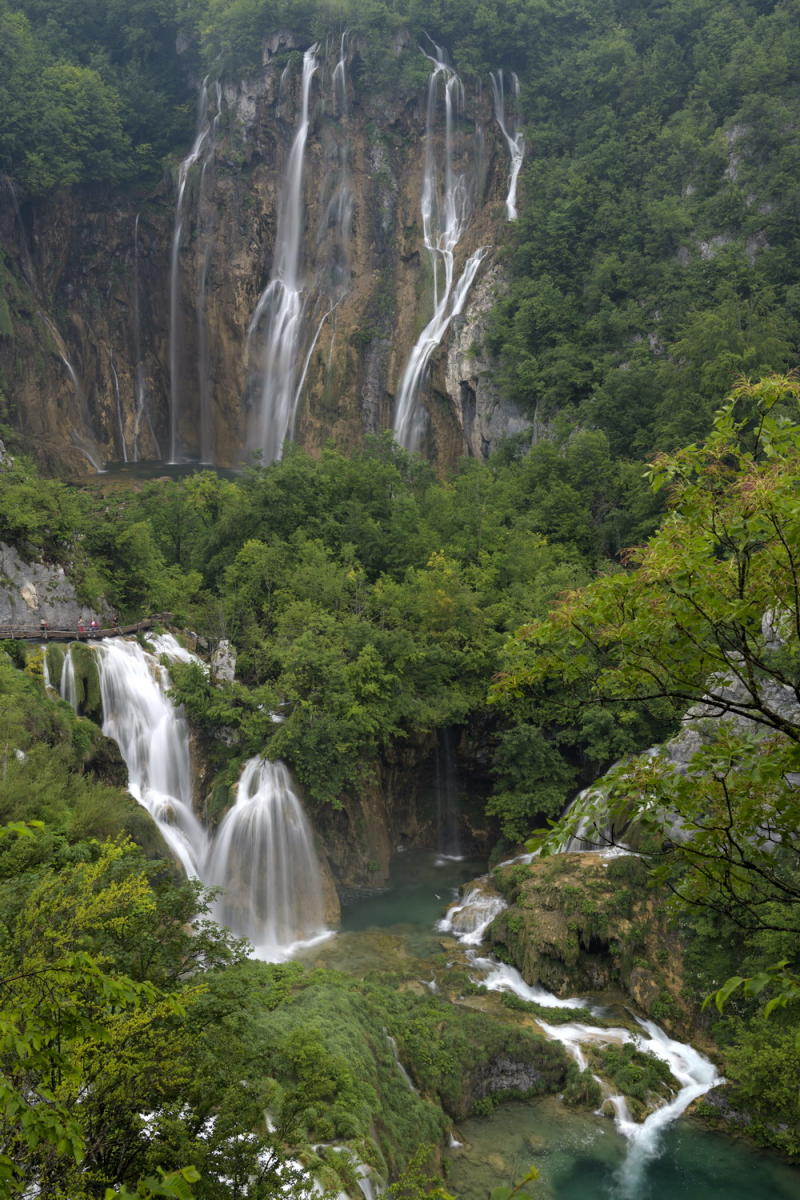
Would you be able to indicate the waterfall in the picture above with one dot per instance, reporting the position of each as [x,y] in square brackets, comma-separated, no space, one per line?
[205,232]
[277,321]
[139,375]
[445,213]
[263,856]
[264,859]
[118,407]
[448,811]
[514,139]
[153,738]
[469,918]
[199,147]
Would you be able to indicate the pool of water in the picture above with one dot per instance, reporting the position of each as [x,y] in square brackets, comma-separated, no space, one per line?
[422,885]
[578,1156]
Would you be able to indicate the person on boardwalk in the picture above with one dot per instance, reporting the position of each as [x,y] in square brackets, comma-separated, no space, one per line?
[93,627]
[43,629]
[81,628]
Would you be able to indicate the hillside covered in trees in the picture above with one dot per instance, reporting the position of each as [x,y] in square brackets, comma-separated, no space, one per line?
[394,621]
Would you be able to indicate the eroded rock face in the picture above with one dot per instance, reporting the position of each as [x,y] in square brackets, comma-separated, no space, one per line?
[32,592]
[98,317]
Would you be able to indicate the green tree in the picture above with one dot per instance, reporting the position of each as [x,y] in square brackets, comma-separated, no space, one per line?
[705,618]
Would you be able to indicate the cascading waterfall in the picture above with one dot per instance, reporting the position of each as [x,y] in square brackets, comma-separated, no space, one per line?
[264,859]
[445,207]
[468,920]
[514,139]
[153,738]
[199,148]
[277,322]
[263,856]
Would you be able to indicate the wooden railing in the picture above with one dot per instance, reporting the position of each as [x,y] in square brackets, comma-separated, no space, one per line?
[35,633]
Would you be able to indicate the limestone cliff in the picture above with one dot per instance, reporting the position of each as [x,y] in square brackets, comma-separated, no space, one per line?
[134,325]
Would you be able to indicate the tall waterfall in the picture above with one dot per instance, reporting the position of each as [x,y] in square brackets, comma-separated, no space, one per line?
[199,148]
[445,207]
[514,138]
[276,327]
[264,859]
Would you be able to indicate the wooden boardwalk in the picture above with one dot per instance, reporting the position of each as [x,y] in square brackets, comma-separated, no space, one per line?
[35,633]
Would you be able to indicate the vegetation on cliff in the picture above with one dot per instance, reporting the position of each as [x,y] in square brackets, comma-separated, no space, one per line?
[708,621]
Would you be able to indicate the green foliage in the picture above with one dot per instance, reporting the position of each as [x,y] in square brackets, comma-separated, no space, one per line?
[635,1073]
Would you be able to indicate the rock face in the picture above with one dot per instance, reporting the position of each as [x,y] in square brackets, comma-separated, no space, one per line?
[129,342]
[31,592]
[223,662]
[579,923]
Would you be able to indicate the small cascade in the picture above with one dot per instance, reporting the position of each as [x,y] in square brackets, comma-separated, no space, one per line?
[153,738]
[199,149]
[469,918]
[695,1073]
[448,808]
[445,207]
[274,336]
[396,1054]
[263,858]
[514,138]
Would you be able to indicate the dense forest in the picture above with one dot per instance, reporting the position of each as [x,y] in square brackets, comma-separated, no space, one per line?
[374,604]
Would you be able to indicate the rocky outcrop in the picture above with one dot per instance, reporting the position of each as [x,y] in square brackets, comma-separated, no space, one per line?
[583,923]
[86,355]
[32,592]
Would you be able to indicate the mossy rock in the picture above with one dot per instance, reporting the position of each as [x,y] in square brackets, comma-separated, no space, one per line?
[54,656]
[87,681]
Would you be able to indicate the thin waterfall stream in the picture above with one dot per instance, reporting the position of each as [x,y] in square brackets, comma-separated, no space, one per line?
[200,148]
[514,138]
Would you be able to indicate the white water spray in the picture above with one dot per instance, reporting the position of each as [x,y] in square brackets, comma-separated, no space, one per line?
[514,139]
[277,321]
[264,859]
[445,207]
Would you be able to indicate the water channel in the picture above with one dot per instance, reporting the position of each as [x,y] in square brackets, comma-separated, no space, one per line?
[579,1155]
